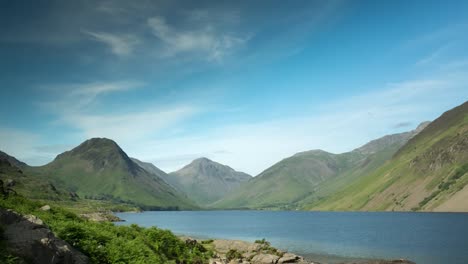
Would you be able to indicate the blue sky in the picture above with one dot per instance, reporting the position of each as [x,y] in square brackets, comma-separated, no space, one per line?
[245,83]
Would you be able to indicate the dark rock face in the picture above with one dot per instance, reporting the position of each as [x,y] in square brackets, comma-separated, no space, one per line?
[29,238]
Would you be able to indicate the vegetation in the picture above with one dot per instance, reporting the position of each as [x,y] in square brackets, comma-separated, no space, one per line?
[233,254]
[108,243]
[422,175]
[300,180]
[267,248]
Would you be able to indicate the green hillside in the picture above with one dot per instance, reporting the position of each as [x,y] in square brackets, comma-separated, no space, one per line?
[99,169]
[429,173]
[309,176]
[24,184]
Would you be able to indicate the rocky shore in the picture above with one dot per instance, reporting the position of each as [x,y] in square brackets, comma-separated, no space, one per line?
[261,252]
[30,239]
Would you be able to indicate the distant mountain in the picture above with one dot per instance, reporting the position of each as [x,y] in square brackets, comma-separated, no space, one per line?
[206,181]
[149,167]
[12,175]
[428,173]
[99,169]
[311,175]
[12,160]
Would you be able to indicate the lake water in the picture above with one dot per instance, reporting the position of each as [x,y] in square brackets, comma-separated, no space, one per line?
[426,238]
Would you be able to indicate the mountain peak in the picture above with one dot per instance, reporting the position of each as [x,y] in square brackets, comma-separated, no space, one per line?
[206,181]
[98,142]
[101,152]
[202,160]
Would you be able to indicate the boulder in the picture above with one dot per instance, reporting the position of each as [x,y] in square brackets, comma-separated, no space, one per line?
[10,183]
[28,237]
[223,246]
[45,207]
[289,258]
[265,259]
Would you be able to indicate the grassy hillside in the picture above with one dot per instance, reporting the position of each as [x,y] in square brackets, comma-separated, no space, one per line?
[309,176]
[105,242]
[99,169]
[32,187]
[206,181]
[429,173]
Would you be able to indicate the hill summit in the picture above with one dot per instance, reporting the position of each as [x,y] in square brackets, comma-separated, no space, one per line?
[206,181]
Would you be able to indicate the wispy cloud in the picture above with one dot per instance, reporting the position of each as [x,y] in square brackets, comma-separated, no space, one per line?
[130,127]
[205,39]
[402,125]
[120,45]
[433,56]
[338,126]
[79,106]
[75,97]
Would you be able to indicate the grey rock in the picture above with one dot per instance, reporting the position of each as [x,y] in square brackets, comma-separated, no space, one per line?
[10,183]
[45,207]
[265,259]
[28,237]
[289,258]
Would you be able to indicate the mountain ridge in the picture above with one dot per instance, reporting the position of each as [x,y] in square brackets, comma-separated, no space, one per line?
[308,175]
[428,173]
[99,169]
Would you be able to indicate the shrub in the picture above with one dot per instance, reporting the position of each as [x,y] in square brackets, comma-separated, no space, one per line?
[233,254]
[108,243]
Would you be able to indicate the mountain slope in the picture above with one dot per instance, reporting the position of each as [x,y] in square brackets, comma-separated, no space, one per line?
[100,169]
[428,173]
[12,160]
[206,181]
[22,183]
[149,167]
[309,176]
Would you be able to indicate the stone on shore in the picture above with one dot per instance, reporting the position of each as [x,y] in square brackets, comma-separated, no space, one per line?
[265,259]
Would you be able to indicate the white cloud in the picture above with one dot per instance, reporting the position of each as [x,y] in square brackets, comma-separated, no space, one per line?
[73,98]
[120,45]
[130,127]
[338,126]
[204,39]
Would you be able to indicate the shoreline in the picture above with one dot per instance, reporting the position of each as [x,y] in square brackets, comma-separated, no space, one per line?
[261,251]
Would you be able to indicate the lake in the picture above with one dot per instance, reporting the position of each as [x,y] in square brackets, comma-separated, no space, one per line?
[426,238]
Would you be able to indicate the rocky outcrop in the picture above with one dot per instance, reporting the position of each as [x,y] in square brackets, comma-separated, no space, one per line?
[101,217]
[241,252]
[28,237]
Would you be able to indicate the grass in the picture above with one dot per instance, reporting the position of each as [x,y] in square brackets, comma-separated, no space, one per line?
[108,243]
[434,158]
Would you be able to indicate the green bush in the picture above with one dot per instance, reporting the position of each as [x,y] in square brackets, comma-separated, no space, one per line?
[108,243]
[262,241]
[233,254]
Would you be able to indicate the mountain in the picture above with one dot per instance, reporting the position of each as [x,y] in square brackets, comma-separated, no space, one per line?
[12,160]
[149,167]
[12,175]
[428,173]
[206,181]
[309,176]
[99,169]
